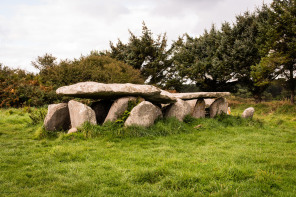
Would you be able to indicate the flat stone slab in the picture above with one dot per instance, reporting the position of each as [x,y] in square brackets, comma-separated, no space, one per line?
[196,95]
[164,97]
[113,91]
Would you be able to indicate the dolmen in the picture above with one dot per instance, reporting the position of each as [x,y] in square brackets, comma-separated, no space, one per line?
[112,101]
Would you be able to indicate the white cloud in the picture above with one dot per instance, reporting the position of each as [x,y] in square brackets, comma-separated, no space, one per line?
[69,28]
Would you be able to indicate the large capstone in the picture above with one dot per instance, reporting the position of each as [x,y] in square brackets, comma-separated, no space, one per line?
[248,113]
[196,95]
[118,108]
[144,114]
[57,117]
[80,113]
[101,108]
[219,106]
[163,97]
[96,90]
[199,109]
[178,110]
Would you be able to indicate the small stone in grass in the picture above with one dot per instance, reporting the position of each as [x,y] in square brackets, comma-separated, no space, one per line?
[72,130]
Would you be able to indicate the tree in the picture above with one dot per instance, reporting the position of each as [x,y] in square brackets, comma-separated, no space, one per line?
[245,52]
[44,62]
[206,60]
[282,41]
[266,71]
[144,53]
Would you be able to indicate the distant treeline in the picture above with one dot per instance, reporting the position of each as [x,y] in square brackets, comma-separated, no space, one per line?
[253,57]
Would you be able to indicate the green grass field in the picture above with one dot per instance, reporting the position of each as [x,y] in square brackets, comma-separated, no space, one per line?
[225,156]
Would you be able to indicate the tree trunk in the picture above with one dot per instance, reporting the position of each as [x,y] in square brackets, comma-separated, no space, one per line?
[292,96]
[292,85]
[258,98]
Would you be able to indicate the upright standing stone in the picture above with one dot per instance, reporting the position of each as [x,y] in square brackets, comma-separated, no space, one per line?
[80,113]
[248,113]
[192,104]
[144,114]
[219,106]
[199,109]
[209,102]
[118,108]
[101,109]
[57,117]
[179,110]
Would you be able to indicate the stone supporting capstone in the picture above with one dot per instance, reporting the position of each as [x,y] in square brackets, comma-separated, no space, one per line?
[57,118]
[81,113]
[178,110]
[219,106]
[113,102]
[118,108]
[144,114]
[199,109]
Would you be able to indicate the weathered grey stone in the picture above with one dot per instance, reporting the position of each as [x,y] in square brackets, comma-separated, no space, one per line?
[196,95]
[179,110]
[72,130]
[192,104]
[57,117]
[199,109]
[144,114]
[219,106]
[101,108]
[163,97]
[209,102]
[248,113]
[118,108]
[80,113]
[113,91]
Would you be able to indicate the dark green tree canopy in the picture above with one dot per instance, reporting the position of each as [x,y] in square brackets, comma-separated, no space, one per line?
[278,45]
[206,60]
[144,53]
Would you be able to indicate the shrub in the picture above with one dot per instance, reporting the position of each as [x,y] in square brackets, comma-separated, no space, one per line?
[19,88]
[94,67]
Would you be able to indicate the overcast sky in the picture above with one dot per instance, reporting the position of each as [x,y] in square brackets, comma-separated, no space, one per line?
[71,28]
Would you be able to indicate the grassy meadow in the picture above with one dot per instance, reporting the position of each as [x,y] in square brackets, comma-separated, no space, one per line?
[225,156]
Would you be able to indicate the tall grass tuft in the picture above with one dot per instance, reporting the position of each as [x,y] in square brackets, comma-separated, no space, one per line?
[37,115]
[114,130]
[41,133]
[231,121]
